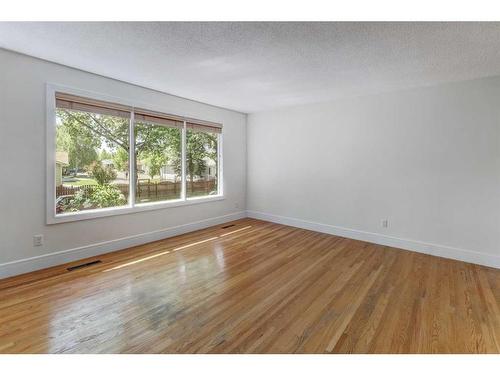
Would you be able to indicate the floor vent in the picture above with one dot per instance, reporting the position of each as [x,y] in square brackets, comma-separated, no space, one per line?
[84,265]
[228,226]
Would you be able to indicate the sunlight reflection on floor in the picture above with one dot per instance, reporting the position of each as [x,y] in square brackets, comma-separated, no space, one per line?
[176,249]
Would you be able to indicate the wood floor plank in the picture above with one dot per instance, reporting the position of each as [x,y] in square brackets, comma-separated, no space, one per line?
[255,287]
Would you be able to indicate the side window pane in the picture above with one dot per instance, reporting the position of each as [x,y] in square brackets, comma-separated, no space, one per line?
[91,161]
[201,163]
[158,162]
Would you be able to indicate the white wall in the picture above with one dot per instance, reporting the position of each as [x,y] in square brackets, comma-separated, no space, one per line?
[428,160]
[22,169]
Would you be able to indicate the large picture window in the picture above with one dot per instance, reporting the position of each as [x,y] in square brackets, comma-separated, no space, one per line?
[110,158]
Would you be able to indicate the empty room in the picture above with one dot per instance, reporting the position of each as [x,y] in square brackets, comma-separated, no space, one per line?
[250,187]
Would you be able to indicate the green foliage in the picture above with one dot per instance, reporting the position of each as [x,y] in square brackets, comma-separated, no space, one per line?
[151,139]
[80,147]
[120,159]
[105,155]
[199,147]
[106,196]
[157,146]
[83,134]
[155,162]
[103,175]
[79,202]
[95,129]
[100,196]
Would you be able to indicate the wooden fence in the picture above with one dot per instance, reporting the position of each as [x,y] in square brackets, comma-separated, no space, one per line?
[150,191]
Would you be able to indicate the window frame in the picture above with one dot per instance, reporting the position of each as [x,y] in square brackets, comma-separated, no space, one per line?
[132,206]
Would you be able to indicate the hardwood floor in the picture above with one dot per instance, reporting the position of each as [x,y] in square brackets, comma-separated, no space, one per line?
[255,287]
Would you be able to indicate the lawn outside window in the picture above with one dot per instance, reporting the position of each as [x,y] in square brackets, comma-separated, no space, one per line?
[107,156]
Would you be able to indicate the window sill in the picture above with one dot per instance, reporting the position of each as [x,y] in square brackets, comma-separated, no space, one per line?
[140,207]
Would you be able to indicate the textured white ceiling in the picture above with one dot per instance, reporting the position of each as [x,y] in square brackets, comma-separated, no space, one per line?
[258,66]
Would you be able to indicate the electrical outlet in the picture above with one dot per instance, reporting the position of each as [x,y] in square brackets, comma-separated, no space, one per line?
[38,240]
[385,223]
[237,205]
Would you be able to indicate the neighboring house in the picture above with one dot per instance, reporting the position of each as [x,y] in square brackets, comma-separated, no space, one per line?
[167,173]
[211,170]
[62,161]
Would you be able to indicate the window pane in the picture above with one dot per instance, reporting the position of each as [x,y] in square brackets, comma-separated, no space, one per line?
[158,162]
[201,163]
[91,161]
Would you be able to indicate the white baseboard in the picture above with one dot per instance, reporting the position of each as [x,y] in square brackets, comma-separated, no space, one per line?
[381,239]
[60,257]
